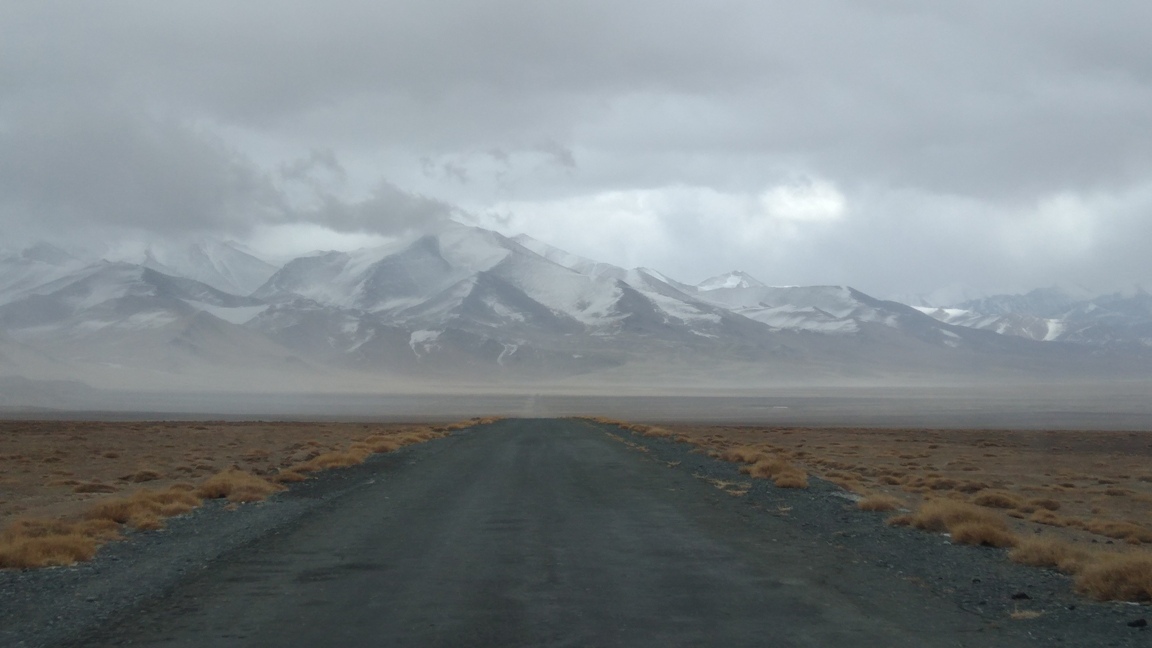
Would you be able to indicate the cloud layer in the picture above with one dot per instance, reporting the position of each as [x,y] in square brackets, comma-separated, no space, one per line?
[892,145]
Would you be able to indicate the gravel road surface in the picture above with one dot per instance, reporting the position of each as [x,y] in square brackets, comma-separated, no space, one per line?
[522,533]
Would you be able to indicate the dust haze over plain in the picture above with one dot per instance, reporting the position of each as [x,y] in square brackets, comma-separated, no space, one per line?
[892,146]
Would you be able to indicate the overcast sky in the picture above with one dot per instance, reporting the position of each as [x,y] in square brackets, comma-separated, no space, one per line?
[899,147]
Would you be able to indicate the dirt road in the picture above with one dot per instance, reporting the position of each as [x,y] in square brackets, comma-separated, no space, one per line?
[544,533]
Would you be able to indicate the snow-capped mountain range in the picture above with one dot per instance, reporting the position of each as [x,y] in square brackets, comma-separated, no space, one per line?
[471,305]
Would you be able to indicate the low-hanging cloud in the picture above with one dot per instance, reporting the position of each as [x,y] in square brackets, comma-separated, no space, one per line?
[388,210]
[118,167]
[996,144]
[123,170]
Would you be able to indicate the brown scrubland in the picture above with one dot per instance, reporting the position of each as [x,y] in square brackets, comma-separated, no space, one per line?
[68,487]
[1076,502]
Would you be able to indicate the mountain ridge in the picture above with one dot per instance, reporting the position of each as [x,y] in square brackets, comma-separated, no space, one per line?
[471,304]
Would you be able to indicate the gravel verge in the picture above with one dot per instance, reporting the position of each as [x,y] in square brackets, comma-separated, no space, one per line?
[980,580]
[56,606]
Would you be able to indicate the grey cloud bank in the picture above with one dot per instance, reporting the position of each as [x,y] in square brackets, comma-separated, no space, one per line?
[1001,145]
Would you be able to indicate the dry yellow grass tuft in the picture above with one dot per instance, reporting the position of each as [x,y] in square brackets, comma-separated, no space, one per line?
[1133,533]
[1117,577]
[881,503]
[744,454]
[655,431]
[381,444]
[329,460]
[967,524]
[1050,553]
[28,543]
[289,477]
[143,475]
[996,499]
[145,509]
[983,534]
[782,473]
[791,479]
[237,486]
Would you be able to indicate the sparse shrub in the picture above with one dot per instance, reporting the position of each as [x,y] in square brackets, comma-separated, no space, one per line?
[849,484]
[94,487]
[654,431]
[1050,553]
[288,476]
[791,479]
[22,553]
[880,503]
[782,473]
[996,499]
[1119,530]
[237,486]
[948,516]
[380,444]
[983,534]
[334,460]
[1046,516]
[29,543]
[1045,503]
[765,468]
[1118,577]
[144,475]
[971,487]
[144,509]
[747,455]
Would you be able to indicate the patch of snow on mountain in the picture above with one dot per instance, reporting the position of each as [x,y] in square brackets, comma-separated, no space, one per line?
[238,315]
[800,318]
[587,299]
[509,349]
[23,271]
[423,342]
[473,248]
[560,257]
[683,311]
[735,279]
[224,266]
[503,311]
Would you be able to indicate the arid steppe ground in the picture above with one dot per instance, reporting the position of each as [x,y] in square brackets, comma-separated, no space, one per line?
[1087,486]
[59,469]
[1052,494]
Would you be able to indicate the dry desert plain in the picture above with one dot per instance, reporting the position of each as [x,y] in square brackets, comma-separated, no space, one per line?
[67,487]
[1079,502]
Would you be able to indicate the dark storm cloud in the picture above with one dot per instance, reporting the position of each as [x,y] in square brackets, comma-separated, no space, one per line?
[1014,131]
[388,210]
[64,164]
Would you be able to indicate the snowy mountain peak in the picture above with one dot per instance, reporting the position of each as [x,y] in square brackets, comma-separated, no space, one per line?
[47,253]
[219,264]
[734,279]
